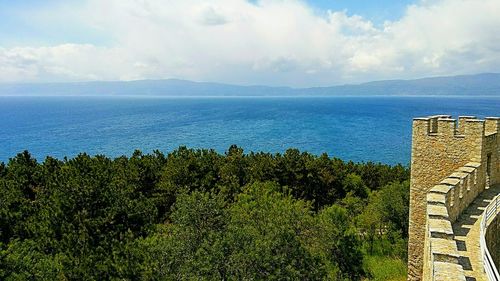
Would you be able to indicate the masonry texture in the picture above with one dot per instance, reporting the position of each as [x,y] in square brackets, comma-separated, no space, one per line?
[452,162]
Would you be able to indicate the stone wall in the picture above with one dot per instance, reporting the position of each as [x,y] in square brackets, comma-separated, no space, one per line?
[448,170]
[445,201]
[492,148]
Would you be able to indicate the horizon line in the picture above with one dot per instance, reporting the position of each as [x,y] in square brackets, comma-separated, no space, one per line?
[240,85]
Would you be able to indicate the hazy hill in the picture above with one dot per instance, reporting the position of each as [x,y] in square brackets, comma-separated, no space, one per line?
[487,84]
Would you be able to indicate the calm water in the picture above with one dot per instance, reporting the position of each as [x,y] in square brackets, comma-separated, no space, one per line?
[360,129]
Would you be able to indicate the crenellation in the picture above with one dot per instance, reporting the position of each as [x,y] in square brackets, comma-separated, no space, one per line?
[437,212]
[459,175]
[440,228]
[436,199]
[464,117]
[466,169]
[444,271]
[440,116]
[446,127]
[449,168]
[492,125]
[422,126]
[461,123]
[444,250]
[462,177]
[441,188]
[473,165]
[450,181]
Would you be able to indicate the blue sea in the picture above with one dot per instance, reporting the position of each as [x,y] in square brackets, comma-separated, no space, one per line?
[351,128]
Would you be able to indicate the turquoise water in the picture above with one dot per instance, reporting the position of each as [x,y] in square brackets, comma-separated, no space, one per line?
[359,129]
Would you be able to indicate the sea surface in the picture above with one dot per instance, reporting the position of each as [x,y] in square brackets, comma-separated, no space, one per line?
[351,128]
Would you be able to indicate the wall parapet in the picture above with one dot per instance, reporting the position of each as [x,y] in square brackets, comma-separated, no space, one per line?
[445,202]
[444,125]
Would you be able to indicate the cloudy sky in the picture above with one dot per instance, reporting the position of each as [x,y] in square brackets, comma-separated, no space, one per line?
[273,42]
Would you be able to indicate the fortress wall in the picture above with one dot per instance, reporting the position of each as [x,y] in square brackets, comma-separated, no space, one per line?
[440,146]
[492,148]
[445,201]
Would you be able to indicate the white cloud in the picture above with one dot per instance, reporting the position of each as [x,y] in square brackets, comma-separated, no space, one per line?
[272,42]
[211,16]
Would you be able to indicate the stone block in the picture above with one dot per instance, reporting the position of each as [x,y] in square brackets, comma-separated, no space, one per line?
[444,250]
[436,199]
[450,181]
[444,271]
[437,212]
[441,188]
[440,228]
[459,175]
[473,164]
[466,169]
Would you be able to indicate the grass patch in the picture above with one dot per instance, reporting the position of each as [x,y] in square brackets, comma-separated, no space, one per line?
[385,268]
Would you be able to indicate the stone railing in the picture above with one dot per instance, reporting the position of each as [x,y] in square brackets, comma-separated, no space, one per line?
[445,203]
[490,213]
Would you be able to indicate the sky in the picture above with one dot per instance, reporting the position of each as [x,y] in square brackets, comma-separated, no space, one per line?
[294,43]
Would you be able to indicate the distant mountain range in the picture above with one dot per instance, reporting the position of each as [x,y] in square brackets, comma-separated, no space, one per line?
[486,84]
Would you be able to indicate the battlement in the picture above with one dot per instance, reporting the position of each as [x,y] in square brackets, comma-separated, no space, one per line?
[492,125]
[445,126]
[444,203]
[452,162]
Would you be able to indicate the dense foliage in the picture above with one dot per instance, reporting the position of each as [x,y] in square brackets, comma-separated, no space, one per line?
[197,214]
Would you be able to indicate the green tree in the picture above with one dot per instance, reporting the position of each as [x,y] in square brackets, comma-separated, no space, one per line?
[197,214]
[266,237]
[24,260]
[353,184]
[340,243]
[189,246]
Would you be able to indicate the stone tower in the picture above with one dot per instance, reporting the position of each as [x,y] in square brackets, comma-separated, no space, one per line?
[440,146]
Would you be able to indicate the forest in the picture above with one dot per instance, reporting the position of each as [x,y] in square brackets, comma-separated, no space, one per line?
[196,214]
